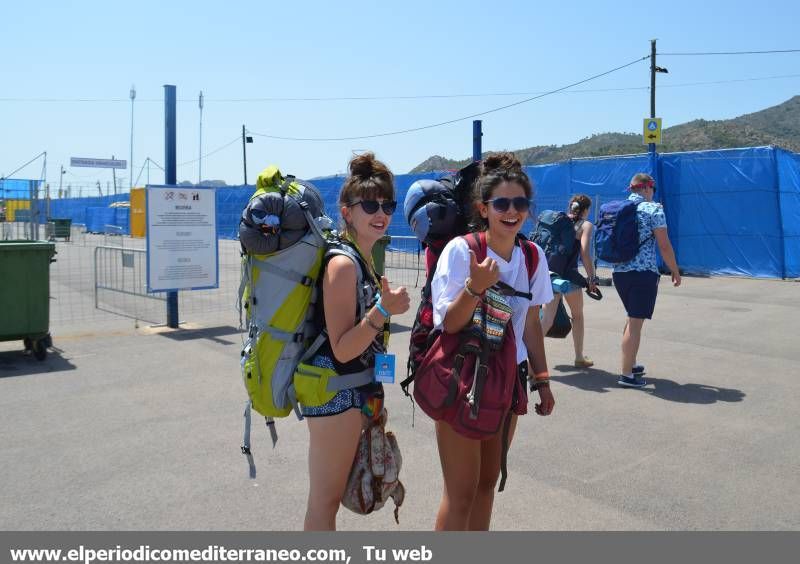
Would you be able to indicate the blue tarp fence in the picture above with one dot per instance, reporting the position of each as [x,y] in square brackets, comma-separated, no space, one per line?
[730,212]
[87,211]
[20,189]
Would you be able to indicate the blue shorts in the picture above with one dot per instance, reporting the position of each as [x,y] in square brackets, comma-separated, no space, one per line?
[362,397]
[343,400]
[638,290]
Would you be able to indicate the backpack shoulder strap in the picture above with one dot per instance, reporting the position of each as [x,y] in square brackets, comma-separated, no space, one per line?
[339,248]
[531,255]
[477,244]
[476,241]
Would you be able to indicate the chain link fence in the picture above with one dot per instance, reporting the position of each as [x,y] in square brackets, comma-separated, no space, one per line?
[103,275]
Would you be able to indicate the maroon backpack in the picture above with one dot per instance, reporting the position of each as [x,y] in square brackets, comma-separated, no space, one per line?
[422,334]
[456,377]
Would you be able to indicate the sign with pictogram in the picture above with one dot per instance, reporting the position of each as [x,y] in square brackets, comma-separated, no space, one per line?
[182,246]
[651,131]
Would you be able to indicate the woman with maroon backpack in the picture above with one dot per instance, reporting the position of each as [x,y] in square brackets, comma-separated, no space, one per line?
[486,292]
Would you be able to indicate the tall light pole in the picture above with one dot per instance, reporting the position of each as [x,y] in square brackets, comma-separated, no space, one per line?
[130,164]
[245,139]
[653,70]
[200,160]
[61,181]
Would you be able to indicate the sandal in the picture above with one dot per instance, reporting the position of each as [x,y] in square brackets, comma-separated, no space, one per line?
[584,362]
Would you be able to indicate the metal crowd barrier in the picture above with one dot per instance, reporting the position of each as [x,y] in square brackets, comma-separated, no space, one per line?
[113,231]
[122,271]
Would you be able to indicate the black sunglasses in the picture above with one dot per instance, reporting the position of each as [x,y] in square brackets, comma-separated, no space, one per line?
[521,204]
[371,206]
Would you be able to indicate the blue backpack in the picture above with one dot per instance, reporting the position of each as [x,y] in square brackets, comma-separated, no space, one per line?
[617,234]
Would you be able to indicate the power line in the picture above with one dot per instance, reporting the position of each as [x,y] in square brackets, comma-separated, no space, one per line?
[23,166]
[82,177]
[430,126]
[409,97]
[733,52]
[217,150]
[319,99]
[729,81]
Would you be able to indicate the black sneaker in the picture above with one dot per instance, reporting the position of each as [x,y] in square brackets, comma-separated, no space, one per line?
[636,381]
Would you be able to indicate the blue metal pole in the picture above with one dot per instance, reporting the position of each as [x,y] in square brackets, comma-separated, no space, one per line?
[653,157]
[170,177]
[477,135]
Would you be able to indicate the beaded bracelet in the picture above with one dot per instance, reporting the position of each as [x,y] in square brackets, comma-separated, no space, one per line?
[536,384]
[469,290]
[371,324]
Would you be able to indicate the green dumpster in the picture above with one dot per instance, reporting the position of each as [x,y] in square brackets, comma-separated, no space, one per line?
[25,294]
[379,253]
[61,228]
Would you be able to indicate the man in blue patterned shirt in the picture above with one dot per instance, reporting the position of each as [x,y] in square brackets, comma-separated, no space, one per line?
[636,281]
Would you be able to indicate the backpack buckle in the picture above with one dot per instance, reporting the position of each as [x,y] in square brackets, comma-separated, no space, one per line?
[298,337]
[307,281]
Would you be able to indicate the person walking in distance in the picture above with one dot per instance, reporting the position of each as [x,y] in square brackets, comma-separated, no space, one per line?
[637,280]
[578,213]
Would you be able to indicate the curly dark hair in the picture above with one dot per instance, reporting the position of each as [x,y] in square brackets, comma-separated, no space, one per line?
[496,169]
[369,178]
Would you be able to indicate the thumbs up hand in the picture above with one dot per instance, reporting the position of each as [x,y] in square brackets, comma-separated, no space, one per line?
[394,301]
[482,275]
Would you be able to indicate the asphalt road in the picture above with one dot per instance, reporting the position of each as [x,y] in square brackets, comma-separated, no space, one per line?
[126,428]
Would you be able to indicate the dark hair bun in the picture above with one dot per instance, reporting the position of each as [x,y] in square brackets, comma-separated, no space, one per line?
[367,166]
[503,161]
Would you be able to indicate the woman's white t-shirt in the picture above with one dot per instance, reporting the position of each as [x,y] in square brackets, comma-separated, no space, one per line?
[452,270]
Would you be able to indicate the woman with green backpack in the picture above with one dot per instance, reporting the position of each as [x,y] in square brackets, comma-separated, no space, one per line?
[355,338]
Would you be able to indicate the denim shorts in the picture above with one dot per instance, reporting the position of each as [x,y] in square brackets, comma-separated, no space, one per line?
[638,290]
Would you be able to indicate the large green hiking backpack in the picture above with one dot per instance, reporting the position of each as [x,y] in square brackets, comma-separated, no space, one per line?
[278,293]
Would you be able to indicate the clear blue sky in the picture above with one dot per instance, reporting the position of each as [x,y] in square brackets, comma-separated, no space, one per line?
[246,50]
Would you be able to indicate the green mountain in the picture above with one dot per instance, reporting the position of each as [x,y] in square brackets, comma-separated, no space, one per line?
[778,125]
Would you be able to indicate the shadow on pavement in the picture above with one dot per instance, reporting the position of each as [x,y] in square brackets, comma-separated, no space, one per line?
[210,333]
[20,363]
[595,380]
[395,328]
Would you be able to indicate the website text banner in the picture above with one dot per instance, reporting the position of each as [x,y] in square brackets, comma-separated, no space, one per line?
[367,547]
[182,247]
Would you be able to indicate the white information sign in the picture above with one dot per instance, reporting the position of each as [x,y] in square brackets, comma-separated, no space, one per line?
[182,248]
[98,163]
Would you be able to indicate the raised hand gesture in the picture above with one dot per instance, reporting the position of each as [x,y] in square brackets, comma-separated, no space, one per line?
[394,301]
[484,275]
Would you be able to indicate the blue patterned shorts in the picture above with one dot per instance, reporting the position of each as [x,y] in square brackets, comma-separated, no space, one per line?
[341,402]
